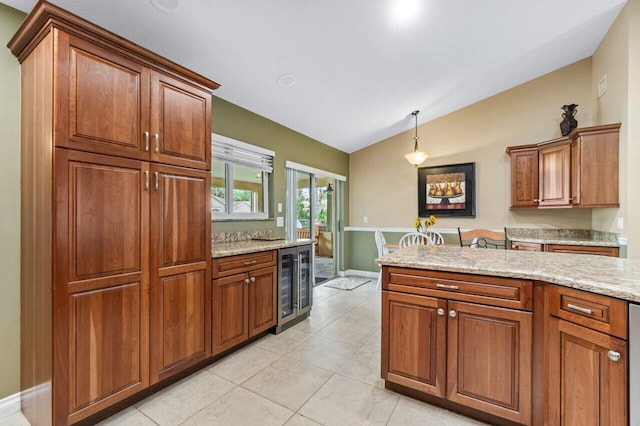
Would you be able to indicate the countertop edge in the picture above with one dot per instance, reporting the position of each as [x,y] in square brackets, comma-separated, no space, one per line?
[219,250]
[567,242]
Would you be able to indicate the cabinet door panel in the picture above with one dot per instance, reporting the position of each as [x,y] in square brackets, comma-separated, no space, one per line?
[489,359]
[413,339]
[586,387]
[108,349]
[181,217]
[262,300]
[103,100]
[555,176]
[230,316]
[181,333]
[181,117]
[524,178]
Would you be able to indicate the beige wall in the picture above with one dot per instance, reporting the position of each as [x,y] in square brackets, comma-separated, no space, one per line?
[383,185]
[10,19]
[632,225]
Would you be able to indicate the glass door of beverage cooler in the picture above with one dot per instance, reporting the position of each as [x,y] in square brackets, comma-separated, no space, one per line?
[305,278]
[287,300]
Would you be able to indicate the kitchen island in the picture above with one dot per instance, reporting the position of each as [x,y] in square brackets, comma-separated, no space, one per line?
[510,337]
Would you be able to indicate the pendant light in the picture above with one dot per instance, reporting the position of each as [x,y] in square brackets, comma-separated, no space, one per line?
[416,157]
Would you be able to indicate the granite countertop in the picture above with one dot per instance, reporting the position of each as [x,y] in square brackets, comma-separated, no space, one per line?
[571,237]
[222,249]
[609,276]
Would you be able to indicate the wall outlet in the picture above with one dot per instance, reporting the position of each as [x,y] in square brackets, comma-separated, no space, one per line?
[280,221]
[365,219]
[602,85]
[620,223]
[279,207]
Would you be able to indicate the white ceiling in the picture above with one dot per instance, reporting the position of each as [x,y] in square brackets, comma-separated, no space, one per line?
[360,68]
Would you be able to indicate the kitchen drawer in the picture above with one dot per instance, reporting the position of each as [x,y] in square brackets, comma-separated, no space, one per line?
[505,292]
[230,265]
[601,313]
[595,250]
[524,246]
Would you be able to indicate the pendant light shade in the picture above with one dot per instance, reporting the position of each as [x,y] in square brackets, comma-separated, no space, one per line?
[416,157]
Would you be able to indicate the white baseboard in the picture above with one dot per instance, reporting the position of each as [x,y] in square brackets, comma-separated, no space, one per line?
[9,405]
[359,273]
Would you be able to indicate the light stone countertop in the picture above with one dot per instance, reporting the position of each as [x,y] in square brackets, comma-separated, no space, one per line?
[571,237]
[251,246]
[609,276]
[567,241]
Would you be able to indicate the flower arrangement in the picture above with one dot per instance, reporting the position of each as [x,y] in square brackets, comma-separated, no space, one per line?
[423,226]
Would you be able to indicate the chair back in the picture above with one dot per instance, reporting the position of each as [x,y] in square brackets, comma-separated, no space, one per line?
[483,238]
[413,239]
[435,237]
[380,242]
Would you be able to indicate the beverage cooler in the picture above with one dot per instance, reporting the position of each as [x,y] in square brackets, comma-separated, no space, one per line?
[295,285]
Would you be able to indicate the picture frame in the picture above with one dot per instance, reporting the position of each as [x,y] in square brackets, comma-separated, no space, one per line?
[447,191]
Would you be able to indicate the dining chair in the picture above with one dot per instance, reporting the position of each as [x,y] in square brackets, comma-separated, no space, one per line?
[418,238]
[382,250]
[435,237]
[483,238]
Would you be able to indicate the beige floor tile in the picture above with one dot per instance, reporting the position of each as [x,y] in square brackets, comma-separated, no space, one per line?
[323,352]
[366,313]
[364,366]
[316,322]
[347,331]
[344,401]
[243,364]
[411,412]
[288,382]
[283,342]
[128,417]
[298,420]
[373,342]
[242,408]
[182,400]
[321,293]
[16,419]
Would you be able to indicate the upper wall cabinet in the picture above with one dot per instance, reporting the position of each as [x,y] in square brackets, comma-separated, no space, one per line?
[110,102]
[580,170]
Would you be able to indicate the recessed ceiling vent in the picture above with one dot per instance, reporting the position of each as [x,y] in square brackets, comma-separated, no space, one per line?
[168,6]
[287,80]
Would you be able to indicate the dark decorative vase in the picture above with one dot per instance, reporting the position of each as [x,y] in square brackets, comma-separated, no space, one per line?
[569,122]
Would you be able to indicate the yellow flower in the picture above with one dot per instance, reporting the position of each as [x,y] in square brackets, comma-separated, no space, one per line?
[430,221]
[417,224]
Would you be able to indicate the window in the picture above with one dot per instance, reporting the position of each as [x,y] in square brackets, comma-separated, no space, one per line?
[240,175]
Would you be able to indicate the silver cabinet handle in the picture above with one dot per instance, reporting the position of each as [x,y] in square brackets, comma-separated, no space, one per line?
[447,286]
[246,281]
[253,279]
[146,180]
[157,138]
[250,262]
[157,179]
[452,313]
[614,356]
[146,141]
[440,311]
[579,309]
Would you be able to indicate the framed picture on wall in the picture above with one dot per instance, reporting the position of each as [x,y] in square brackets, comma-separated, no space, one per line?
[447,191]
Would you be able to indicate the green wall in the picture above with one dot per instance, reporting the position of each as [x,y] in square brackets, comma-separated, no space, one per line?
[238,123]
[10,19]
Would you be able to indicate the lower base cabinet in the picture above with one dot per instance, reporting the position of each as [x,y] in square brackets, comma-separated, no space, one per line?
[244,298]
[472,354]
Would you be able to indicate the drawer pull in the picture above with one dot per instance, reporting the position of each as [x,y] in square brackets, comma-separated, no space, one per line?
[252,279]
[251,262]
[440,311]
[580,309]
[614,356]
[452,313]
[447,286]
[247,281]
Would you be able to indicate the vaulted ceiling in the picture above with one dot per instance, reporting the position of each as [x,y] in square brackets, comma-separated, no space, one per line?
[358,67]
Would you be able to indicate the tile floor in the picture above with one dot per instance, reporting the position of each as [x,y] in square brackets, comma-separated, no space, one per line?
[324,371]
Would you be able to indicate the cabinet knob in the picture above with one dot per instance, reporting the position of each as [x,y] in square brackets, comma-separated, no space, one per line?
[247,281]
[253,279]
[537,200]
[440,311]
[452,313]
[614,356]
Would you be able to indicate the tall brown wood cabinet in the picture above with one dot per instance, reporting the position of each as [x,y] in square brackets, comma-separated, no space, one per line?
[116,278]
